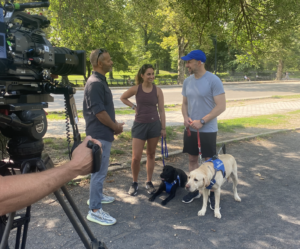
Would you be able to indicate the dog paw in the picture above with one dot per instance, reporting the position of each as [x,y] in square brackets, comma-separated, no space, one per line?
[163,203]
[237,198]
[218,215]
[201,212]
[151,198]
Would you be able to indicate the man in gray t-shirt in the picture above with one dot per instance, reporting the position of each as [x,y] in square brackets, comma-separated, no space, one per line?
[203,100]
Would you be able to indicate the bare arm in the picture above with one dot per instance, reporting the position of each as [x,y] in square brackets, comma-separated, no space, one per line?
[129,93]
[105,119]
[220,107]
[184,110]
[19,191]
[161,110]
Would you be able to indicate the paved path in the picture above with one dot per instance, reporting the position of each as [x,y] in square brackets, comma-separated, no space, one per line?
[174,118]
[172,94]
[267,217]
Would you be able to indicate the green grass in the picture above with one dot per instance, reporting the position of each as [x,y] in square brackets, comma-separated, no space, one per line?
[239,123]
[48,141]
[294,112]
[61,115]
[171,133]
[119,74]
[124,111]
[286,97]
[126,135]
[116,152]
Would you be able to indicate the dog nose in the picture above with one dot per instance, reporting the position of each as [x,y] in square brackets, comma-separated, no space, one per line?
[187,187]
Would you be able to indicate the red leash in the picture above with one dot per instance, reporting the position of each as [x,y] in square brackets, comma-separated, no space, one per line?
[199,142]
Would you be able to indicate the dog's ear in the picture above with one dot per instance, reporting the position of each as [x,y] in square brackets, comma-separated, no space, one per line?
[205,181]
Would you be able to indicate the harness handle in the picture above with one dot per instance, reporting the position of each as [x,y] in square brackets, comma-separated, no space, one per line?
[164,152]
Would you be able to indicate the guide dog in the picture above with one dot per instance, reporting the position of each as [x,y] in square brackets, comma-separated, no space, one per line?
[172,178]
[200,179]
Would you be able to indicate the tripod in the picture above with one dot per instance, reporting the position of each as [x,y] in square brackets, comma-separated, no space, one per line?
[32,162]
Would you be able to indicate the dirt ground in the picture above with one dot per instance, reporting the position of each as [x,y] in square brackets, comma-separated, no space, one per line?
[122,148]
[267,216]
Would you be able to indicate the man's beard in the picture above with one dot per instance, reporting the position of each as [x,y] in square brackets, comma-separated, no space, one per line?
[190,71]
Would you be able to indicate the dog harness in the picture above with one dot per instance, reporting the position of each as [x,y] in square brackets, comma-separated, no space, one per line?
[169,186]
[218,166]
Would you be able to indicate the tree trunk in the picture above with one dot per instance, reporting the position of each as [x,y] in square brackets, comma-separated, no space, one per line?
[181,51]
[89,68]
[279,70]
[157,67]
[111,76]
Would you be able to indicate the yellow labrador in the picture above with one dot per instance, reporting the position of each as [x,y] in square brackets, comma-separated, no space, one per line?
[200,178]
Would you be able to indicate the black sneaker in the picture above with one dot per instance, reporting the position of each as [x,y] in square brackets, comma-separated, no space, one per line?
[211,201]
[150,188]
[133,189]
[191,196]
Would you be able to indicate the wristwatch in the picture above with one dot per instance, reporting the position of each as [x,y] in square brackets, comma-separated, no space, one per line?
[202,121]
[132,107]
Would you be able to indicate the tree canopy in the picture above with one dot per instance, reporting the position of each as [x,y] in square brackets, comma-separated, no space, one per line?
[250,34]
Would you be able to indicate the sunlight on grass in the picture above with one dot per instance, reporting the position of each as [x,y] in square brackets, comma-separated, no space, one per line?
[171,133]
[294,112]
[286,97]
[265,120]
[48,141]
[126,135]
[116,152]
[124,111]
[60,115]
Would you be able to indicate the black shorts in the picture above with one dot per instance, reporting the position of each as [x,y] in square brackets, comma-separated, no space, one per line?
[208,144]
[146,131]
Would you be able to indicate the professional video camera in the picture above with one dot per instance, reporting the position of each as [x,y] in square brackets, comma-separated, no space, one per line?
[28,62]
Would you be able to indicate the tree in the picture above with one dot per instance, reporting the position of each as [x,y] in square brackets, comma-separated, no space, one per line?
[256,27]
[88,25]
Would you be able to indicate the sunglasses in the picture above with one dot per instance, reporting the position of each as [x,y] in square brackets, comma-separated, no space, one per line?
[101,51]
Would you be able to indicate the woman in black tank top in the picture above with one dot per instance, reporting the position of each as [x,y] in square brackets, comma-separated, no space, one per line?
[149,124]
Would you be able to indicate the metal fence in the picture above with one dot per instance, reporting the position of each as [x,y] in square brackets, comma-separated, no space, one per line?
[121,82]
[173,81]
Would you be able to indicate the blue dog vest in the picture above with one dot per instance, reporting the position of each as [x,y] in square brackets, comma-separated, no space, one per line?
[170,185]
[218,166]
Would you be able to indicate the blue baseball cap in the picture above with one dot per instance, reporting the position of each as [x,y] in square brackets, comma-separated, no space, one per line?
[198,55]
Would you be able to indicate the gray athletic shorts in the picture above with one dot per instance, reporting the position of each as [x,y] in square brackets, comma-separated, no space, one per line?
[146,131]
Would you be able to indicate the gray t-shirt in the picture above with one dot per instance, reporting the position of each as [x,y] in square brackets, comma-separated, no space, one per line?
[200,95]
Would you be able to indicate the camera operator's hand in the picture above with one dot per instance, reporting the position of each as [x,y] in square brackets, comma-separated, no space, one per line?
[119,128]
[82,157]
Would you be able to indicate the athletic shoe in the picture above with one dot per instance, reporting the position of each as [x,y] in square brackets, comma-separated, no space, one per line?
[211,201]
[150,188]
[105,199]
[101,218]
[133,189]
[191,196]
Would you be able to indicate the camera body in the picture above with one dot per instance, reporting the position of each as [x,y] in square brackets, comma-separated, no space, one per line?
[27,63]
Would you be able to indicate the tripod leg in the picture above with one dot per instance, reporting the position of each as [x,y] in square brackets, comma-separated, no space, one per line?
[94,242]
[72,219]
[25,230]
[8,226]
[77,212]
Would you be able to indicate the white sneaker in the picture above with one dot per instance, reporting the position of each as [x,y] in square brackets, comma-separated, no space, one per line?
[101,217]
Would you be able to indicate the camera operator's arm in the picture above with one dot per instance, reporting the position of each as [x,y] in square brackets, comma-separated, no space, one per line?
[19,191]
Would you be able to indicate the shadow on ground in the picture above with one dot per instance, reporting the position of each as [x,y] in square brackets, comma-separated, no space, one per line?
[267,217]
